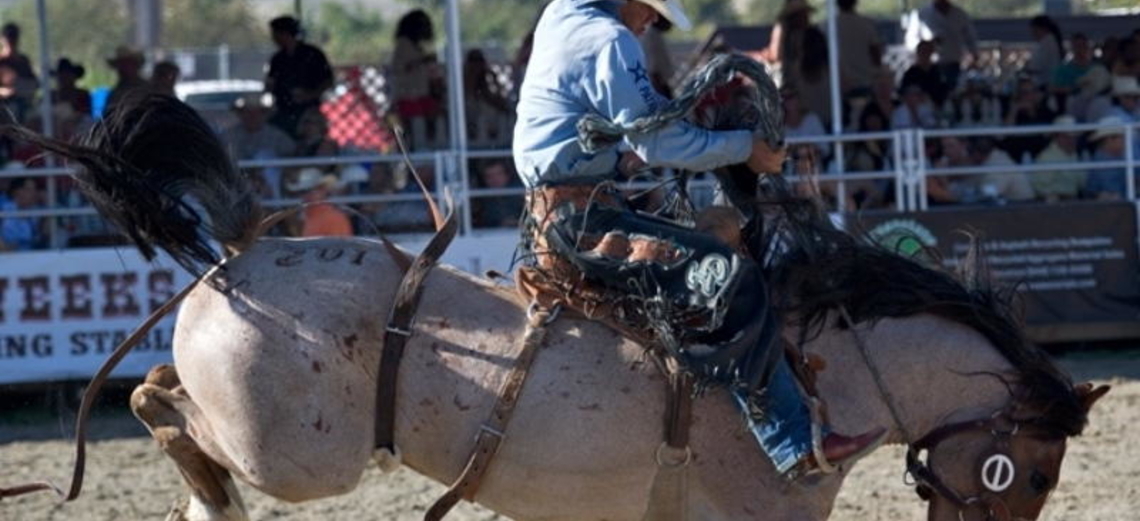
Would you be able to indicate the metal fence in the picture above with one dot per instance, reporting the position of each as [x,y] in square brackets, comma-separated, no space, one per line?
[906,169]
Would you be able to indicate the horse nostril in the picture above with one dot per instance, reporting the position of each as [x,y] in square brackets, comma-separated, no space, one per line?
[1039,482]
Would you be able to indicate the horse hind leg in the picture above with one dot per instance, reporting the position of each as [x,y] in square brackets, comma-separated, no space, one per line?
[167,412]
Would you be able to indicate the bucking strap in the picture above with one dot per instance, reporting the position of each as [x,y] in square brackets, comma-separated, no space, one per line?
[399,330]
[492,432]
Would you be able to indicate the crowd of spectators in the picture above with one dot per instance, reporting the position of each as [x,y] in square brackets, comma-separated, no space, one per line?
[1066,80]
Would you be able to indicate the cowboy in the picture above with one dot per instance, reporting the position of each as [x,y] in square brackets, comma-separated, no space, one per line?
[128,63]
[706,302]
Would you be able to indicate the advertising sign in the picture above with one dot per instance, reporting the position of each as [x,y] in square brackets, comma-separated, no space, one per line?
[1075,263]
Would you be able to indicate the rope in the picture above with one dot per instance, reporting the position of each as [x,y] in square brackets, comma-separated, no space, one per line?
[878,377]
[595,133]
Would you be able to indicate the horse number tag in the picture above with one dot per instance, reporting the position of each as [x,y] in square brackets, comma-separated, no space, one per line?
[998,472]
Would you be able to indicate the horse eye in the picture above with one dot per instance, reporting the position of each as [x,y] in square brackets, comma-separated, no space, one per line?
[1039,482]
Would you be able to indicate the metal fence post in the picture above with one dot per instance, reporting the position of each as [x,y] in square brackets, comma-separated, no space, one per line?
[1129,161]
[900,171]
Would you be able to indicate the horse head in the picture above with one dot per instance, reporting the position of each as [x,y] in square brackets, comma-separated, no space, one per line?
[1000,468]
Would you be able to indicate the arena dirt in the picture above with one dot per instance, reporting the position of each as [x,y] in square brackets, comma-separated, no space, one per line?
[128,478]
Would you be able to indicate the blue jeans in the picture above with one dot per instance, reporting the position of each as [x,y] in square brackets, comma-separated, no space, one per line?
[783,426]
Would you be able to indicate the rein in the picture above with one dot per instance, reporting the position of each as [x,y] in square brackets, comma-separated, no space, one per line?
[927,482]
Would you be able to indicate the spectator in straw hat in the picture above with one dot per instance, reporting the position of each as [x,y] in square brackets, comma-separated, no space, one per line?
[127,63]
[253,138]
[1126,98]
[66,92]
[320,220]
[1108,183]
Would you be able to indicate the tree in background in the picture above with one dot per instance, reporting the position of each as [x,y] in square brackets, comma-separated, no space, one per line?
[350,34]
[208,23]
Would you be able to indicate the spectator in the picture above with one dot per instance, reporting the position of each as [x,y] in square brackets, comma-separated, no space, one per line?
[26,82]
[127,63]
[977,106]
[1127,60]
[953,34]
[815,76]
[999,186]
[164,77]
[313,135]
[860,49]
[883,94]
[409,215]
[1047,50]
[785,46]
[1092,101]
[501,211]
[801,122]
[66,92]
[252,138]
[416,80]
[1108,183]
[869,156]
[1067,74]
[915,111]
[657,59]
[1126,97]
[22,233]
[924,74]
[13,107]
[1059,185]
[298,74]
[488,112]
[950,152]
[320,220]
[1028,107]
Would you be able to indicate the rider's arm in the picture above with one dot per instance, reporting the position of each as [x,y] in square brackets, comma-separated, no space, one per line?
[621,91]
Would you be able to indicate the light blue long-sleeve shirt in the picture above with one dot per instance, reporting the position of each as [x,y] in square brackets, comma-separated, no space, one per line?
[585,61]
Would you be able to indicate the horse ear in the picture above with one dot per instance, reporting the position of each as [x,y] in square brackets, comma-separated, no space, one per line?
[1089,394]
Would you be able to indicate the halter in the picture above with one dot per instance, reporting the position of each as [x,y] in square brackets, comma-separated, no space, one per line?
[998,470]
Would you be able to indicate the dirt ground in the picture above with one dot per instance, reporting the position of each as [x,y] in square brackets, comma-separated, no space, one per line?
[127,477]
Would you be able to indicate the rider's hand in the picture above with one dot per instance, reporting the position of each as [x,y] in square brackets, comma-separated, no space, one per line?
[764,160]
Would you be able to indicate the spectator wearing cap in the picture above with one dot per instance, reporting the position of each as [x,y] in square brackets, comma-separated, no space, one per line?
[1108,183]
[127,63]
[299,73]
[164,77]
[320,220]
[924,74]
[67,74]
[1059,185]
[953,34]
[860,49]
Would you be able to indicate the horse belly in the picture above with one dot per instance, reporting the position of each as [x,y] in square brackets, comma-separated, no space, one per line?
[283,370]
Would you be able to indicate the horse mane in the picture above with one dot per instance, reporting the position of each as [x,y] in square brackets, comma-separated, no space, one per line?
[820,268]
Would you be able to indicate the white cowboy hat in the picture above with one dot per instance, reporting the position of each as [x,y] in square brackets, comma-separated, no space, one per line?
[1125,86]
[672,11]
[309,178]
[1102,133]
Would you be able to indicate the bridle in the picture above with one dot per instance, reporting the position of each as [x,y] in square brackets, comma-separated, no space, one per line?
[998,469]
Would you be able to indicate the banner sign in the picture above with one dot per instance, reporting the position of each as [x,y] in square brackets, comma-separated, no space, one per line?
[63,312]
[1074,263]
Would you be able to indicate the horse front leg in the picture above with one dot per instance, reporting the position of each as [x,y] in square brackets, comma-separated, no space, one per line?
[166,410]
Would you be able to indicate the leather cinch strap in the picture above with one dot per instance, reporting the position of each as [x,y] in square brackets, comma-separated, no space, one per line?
[399,330]
[492,432]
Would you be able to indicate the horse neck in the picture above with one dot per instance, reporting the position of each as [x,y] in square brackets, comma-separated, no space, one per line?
[934,371]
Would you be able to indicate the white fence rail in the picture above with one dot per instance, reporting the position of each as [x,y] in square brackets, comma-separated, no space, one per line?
[906,166]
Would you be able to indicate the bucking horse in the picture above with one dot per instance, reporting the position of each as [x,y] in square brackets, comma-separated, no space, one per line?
[277,350]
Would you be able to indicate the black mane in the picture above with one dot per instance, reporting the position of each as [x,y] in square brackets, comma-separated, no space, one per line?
[823,268]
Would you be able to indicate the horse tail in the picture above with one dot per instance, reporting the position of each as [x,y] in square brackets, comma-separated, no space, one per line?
[153,168]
